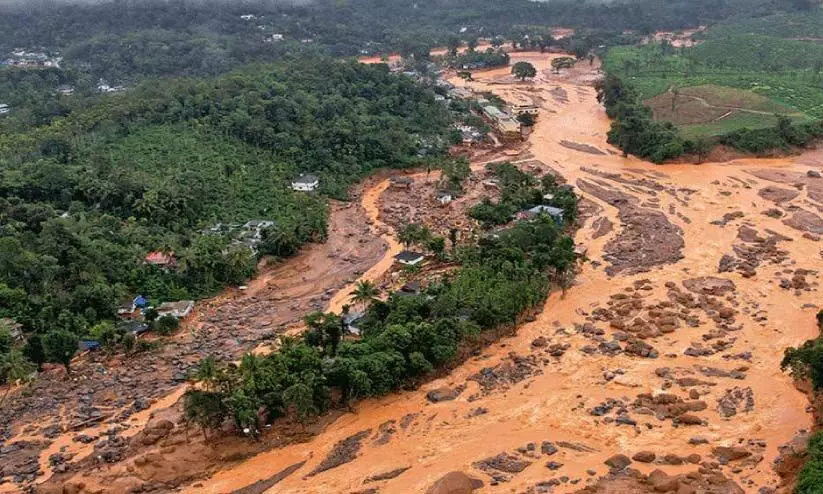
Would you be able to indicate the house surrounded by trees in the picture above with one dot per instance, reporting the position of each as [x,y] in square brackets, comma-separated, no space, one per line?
[305,183]
[409,258]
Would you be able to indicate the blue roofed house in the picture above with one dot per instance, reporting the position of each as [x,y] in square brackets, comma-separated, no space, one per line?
[87,346]
[138,303]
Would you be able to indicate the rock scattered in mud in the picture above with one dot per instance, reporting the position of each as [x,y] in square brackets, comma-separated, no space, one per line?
[342,452]
[777,194]
[644,456]
[736,400]
[455,483]
[706,285]
[514,369]
[583,148]
[805,221]
[647,239]
[391,474]
[728,217]
[725,454]
[618,462]
[601,226]
[444,394]
[385,432]
[503,462]
[668,406]
[264,485]
[705,480]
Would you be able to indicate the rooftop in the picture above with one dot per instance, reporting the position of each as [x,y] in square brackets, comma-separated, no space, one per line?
[307,179]
[550,210]
[408,256]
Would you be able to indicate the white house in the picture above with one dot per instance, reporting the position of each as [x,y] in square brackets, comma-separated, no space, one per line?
[409,258]
[179,309]
[555,213]
[521,109]
[444,197]
[4,109]
[305,183]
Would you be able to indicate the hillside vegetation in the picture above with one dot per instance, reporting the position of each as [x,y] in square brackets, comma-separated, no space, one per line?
[84,199]
[739,78]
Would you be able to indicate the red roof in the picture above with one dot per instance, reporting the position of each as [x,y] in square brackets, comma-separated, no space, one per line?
[160,258]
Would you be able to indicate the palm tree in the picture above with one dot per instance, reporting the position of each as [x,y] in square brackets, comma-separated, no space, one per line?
[14,368]
[365,292]
[207,372]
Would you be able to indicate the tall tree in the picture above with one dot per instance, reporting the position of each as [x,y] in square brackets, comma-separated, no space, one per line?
[365,292]
[524,70]
[14,368]
[60,346]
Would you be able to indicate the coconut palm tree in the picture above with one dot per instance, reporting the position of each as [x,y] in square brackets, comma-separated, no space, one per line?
[14,368]
[207,372]
[365,293]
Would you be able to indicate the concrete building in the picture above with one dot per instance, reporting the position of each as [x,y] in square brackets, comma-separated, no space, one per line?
[409,258]
[305,183]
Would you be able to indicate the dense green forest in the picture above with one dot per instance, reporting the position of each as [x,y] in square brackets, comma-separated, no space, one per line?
[123,42]
[403,339]
[127,39]
[85,198]
[806,363]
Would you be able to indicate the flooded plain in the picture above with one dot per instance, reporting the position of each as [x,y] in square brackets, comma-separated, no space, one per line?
[667,349]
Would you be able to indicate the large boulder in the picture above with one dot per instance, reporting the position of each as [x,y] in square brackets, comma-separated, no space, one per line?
[618,462]
[709,285]
[455,483]
[442,394]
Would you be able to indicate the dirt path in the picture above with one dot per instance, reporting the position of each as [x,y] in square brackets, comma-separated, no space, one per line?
[731,108]
[668,356]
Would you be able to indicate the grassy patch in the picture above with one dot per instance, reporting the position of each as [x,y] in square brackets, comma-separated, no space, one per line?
[731,123]
[806,25]
[731,81]
[715,110]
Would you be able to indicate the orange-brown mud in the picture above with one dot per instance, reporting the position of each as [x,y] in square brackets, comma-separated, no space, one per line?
[107,400]
[654,350]
[712,352]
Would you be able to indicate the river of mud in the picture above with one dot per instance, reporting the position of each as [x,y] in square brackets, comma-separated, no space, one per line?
[654,350]
[666,349]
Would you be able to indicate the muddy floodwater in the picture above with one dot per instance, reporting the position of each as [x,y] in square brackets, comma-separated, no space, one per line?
[697,281]
[665,350]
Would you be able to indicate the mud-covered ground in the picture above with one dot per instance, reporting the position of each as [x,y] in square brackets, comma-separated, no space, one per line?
[60,420]
[666,351]
[657,372]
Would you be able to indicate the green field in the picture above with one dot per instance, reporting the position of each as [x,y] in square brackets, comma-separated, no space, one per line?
[806,25]
[733,79]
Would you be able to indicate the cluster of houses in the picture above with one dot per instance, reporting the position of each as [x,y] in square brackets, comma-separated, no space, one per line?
[31,60]
[506,124]
[132,312]
[442,196]
[553,212]
[249,234]
[470,135]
